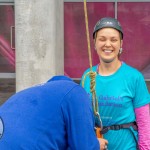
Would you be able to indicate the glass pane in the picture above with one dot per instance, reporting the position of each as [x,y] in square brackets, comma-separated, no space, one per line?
[135,19]
[7,51]
[76,51]
[7,54]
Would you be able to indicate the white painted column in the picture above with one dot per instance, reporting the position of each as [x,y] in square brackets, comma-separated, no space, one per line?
[39,27]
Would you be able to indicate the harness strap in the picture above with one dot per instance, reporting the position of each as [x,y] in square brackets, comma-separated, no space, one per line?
[118,127]
[122,126]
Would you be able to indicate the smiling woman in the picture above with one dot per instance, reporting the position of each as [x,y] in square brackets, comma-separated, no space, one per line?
[116,79]
[107,45]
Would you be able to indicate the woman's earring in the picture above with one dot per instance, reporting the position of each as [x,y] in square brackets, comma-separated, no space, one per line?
[120,51]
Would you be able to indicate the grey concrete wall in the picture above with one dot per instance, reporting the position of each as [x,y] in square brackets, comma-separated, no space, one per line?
[39,31]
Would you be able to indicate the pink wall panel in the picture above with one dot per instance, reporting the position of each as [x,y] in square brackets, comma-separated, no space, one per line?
[135,20]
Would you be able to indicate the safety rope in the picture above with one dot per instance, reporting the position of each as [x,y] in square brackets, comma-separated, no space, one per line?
[87,34]
[91,73]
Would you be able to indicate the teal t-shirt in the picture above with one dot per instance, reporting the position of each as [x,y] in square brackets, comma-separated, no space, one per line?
[118,95]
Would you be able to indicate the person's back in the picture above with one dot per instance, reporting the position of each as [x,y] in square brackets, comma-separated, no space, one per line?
[56,115]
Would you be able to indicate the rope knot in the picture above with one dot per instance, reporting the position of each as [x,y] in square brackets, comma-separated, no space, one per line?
[92,83]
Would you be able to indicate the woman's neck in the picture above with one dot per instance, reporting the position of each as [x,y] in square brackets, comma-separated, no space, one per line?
[106,69]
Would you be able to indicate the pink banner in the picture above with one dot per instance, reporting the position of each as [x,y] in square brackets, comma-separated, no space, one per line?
[135,20]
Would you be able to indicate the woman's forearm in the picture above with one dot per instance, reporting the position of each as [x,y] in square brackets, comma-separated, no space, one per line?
[143,122]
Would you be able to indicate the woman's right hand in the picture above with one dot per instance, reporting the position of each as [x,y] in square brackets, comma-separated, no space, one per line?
[103,144]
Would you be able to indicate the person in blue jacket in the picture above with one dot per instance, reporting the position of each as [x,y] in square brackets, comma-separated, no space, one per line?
[55,115]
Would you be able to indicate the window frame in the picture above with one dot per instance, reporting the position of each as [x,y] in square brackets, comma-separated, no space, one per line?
[7,75]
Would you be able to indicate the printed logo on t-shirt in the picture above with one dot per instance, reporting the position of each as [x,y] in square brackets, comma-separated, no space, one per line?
[1,127]
[115,101]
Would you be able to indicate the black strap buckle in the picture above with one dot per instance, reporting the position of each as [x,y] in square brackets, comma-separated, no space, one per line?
[104,130]
[118,127]
[114,127]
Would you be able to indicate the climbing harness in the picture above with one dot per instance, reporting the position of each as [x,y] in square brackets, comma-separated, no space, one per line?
[92,76]
[118,127]
[122,126]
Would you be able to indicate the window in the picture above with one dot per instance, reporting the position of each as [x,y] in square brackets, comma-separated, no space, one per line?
[135,20]
[7,51]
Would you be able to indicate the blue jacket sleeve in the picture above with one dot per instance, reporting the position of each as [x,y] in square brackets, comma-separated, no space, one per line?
[78,117]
